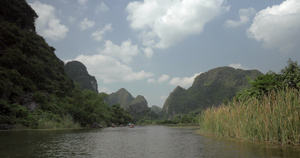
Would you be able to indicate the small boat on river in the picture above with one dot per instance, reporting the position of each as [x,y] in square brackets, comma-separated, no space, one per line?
[131,125]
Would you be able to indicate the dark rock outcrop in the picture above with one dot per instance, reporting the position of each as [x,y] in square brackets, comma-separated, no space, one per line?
[78,73]
[96,125]
[5,127]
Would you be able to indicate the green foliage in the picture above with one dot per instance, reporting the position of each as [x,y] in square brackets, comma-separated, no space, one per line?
[13,113]
[88,107]
[120,116]
[290,76]
[264,84]
[31,72]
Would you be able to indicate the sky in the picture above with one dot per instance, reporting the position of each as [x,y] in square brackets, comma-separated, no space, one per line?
[149,47]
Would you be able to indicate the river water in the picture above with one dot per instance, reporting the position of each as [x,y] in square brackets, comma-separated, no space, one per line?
[137,142]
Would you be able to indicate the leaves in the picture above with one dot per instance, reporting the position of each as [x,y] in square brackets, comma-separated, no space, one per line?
[265,84]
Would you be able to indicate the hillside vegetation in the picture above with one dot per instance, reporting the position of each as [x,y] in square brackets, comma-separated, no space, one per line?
[137,107]
[209,88]
[34,88]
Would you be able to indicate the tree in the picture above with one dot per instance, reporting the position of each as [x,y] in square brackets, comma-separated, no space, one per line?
[290,76]
[264,84]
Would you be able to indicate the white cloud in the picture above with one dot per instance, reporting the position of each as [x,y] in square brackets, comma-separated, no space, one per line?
[104,89]
[184,82]
[238,66]
[86,24]
[102,7]
[151,80]
[165,23]
[82,1]
[47,24]
[110,70]
[71,19]
[98,35]
[278,27]
[148,52]
[163,78]
[124,52]
[244,18]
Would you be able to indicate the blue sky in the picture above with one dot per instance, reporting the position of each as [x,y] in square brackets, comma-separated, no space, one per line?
[151,46]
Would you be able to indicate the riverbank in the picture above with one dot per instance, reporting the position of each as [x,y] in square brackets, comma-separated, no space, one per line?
[273,119]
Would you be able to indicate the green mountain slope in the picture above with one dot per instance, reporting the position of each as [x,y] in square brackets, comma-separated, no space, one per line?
[78,73]
[27,63]
[209,88]
[121,97]
[137,107]
[35,91]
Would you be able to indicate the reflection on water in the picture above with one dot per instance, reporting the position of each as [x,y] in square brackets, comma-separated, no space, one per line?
[147,141]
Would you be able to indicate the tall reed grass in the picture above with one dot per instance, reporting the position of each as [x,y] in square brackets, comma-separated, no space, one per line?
[275,118]
[64,122]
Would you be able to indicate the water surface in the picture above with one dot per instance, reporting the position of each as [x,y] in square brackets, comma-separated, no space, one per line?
[143,141]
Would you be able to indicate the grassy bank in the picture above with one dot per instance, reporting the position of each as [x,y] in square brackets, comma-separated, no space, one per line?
[274,118]
[54,122]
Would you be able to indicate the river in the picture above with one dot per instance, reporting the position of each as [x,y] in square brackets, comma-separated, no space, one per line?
[137,142]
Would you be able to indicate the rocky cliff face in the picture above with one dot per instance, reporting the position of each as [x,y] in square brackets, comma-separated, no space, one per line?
[78,73]
[209,88]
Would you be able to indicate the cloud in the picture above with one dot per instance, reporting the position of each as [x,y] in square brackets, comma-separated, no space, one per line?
[163,78]
[102,7]
[47,24]
[278,27]
[244,18]
[148,52]
[124,52]
[98,35]
[151,80]
[71,19]
[109,69]
[82,2]
[104,89]
[86,24]
[184,82]
[165,23]
[238,66]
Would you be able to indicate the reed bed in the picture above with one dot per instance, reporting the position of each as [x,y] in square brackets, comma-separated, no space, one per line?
[275,118]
